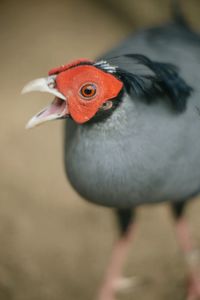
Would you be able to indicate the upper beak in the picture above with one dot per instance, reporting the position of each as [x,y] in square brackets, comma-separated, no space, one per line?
[57,109]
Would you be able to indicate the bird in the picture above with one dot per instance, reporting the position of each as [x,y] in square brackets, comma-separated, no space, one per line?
[132,128]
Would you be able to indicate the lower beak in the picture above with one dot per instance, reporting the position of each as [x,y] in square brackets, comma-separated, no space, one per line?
[56,110]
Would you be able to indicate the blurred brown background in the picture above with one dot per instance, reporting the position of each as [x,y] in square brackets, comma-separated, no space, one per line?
[54,245]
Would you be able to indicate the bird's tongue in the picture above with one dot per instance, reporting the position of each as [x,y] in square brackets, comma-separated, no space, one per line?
[54,111]
[56,107]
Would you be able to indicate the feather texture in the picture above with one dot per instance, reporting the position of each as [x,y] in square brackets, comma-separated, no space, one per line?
[165,81]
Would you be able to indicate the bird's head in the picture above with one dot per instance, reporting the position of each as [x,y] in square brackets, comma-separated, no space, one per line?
[81,89]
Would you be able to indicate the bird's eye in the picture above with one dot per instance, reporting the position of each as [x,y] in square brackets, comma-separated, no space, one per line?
[88,90]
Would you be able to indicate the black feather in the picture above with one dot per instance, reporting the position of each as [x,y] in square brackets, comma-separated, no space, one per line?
[165,81]
[125,218]
[178,209]
[177,14]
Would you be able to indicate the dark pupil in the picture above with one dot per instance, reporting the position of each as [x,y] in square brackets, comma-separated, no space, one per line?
[88,91]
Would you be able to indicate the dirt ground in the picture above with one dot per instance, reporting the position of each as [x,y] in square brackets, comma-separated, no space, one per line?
[54,245]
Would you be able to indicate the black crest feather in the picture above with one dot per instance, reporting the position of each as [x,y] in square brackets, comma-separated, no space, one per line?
[164,81]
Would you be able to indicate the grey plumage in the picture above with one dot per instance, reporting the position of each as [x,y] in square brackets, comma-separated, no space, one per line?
[132,131]
[144,152]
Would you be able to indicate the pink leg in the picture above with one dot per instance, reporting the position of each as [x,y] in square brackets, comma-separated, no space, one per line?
[114,270]
[191,256]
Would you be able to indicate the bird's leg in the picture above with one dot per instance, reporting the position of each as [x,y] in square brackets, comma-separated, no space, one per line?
[189,250]
[113,277]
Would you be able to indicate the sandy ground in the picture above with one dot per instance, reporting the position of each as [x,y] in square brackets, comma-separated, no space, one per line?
[54,245]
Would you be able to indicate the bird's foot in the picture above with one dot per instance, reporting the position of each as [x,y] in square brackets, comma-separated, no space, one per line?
[194,287]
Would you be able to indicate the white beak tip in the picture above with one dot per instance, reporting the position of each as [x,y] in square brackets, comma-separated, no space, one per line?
[24,91]
[28,126]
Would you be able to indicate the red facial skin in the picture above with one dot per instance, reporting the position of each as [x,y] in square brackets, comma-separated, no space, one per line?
[69,81]
[68,66]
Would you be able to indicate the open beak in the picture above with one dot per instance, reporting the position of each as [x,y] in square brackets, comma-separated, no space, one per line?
[56,110]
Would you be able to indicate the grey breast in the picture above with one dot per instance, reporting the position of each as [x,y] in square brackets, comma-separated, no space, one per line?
[142,153]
